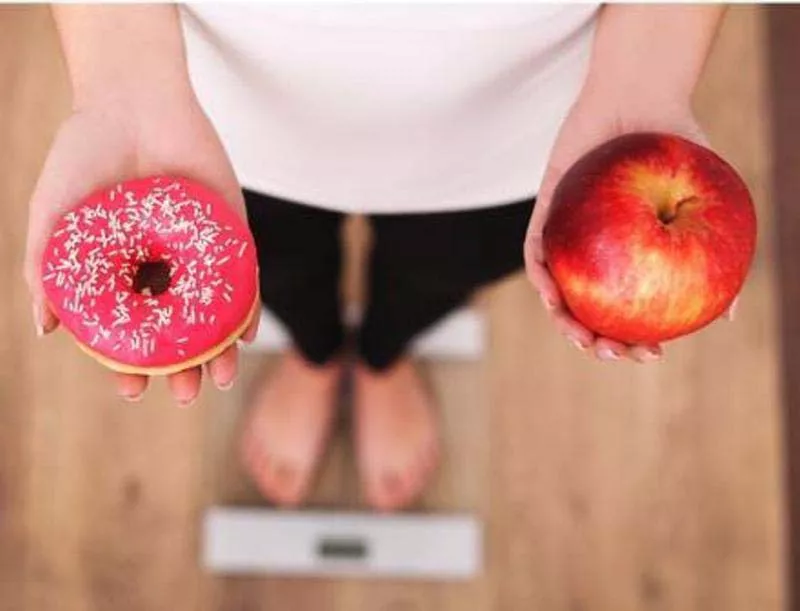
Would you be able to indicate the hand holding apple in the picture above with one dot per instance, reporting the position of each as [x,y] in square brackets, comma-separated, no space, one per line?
[649,237]
[594,120]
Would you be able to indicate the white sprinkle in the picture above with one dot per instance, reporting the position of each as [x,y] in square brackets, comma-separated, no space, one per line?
[242,249]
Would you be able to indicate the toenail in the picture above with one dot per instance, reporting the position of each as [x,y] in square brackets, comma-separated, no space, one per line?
[577,343]
[607,354]
[391,481]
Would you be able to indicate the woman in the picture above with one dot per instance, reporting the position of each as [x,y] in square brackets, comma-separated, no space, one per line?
[442,123]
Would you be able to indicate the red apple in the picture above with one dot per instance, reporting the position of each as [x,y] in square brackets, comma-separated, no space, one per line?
[649,237]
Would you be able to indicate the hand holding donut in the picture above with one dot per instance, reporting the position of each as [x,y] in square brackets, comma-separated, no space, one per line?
[100,145]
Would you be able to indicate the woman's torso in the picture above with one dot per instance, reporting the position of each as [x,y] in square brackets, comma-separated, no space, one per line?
[389,108]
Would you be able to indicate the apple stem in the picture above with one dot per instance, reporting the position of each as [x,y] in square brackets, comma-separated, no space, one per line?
[667,214]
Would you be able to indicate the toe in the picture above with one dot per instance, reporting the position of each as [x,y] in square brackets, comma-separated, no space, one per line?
[432,455]
[255,463]
[262,472]
[415,481]
[373,494]
[282,482]
[385,493]
[288,485]
[249,447]
[392,483]
[285,478]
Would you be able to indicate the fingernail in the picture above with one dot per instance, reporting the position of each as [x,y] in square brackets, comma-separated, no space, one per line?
[651,356]
[548,304]
[133,398]
[37,320]
[226,386]
[732,311]
[187,403]
[577,343]
[607,354]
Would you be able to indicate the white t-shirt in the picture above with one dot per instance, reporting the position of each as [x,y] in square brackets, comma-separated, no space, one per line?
[389,108]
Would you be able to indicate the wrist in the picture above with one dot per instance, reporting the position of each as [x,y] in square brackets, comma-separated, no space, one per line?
[627,89]
[132,92]
[650,56]
[621,97]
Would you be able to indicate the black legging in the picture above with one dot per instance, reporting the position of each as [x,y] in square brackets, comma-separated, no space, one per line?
[422,266]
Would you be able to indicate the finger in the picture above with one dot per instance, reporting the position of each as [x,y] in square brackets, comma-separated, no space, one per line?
[44,320]
[251,331]
[131,387]
[646,354]
[730,314]
[534,248]
[609,350]
[224,367]
[543,282]
[581,337]
[185,386]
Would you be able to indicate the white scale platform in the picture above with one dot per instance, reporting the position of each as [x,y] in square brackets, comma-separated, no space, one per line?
[251,541]
[459,336]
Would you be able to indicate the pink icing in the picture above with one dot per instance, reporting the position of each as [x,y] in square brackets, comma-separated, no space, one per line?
[92,257]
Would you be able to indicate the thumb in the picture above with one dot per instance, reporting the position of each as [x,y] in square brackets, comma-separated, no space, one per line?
[39,226]
[66,176]
[730,313]
[535,265]
[44,320]
[541,209]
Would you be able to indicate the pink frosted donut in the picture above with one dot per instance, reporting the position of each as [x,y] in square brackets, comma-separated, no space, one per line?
[153,275]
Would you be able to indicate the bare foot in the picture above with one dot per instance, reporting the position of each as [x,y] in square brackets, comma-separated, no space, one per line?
[397,438]
[288,427]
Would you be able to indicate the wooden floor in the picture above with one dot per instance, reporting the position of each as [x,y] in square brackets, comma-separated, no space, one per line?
[604,487]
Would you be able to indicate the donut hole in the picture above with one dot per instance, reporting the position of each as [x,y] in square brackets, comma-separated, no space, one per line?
[151,278]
